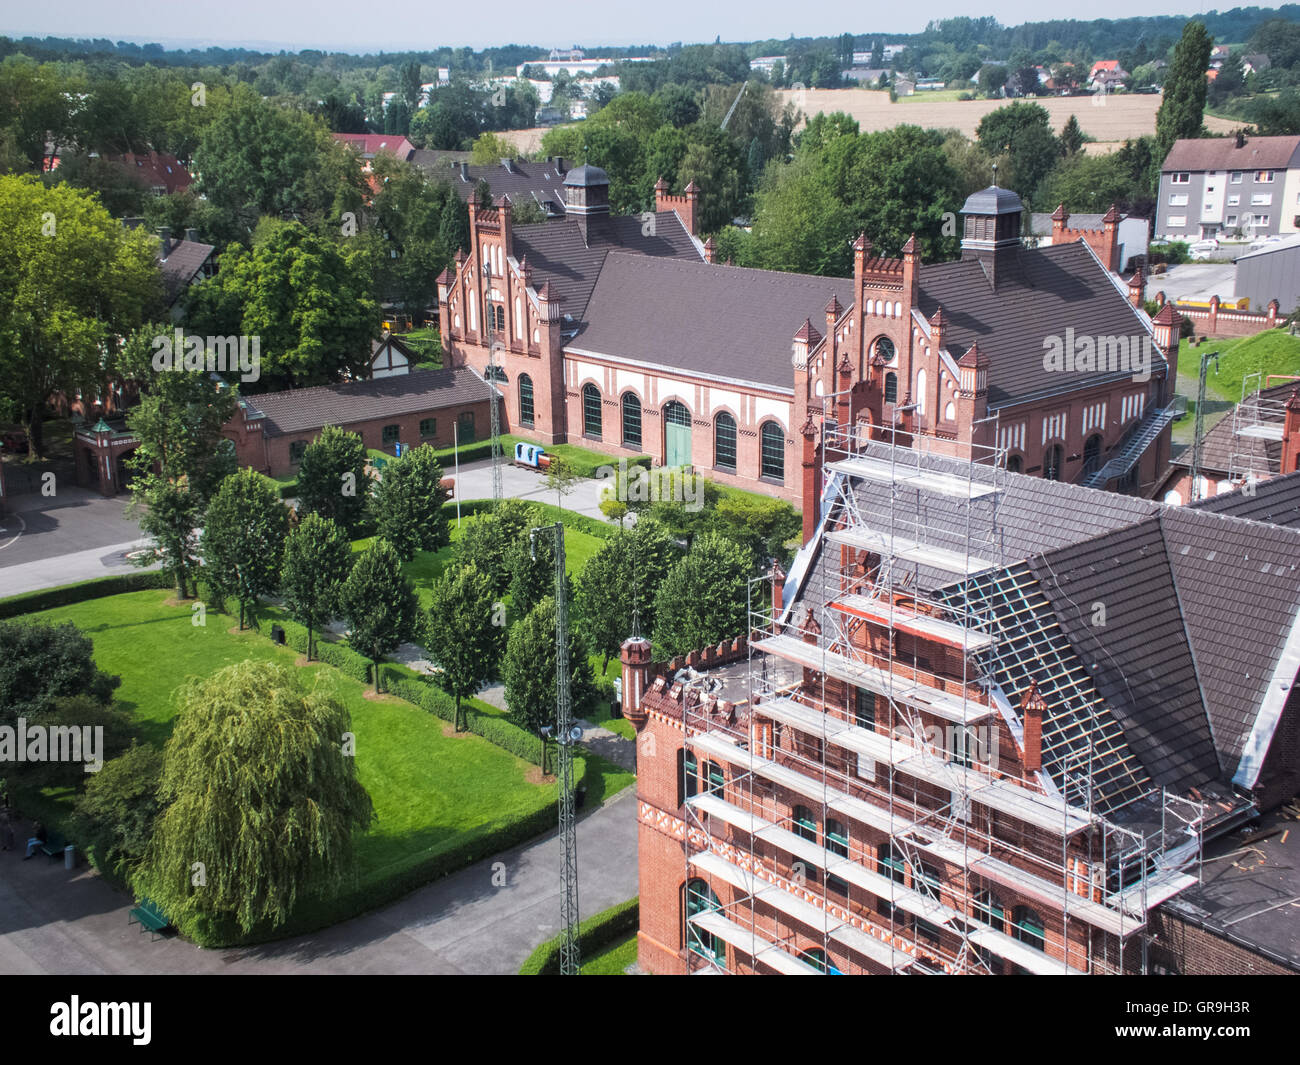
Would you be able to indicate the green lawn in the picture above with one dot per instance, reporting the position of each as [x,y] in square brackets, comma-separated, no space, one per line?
[1272,351]
[430,791]
[612,960]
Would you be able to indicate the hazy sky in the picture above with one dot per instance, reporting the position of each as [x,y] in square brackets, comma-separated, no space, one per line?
[397,25]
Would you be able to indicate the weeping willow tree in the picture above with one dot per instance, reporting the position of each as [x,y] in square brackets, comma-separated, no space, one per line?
[260,799]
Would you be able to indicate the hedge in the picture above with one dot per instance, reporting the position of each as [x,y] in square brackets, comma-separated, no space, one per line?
[602,530]
[82,591]
[595,932]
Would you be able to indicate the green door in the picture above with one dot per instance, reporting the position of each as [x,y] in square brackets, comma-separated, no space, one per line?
[677,435]
[465,432]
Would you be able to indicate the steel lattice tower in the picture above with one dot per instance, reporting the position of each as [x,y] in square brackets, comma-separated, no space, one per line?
[489,315]
[567,737]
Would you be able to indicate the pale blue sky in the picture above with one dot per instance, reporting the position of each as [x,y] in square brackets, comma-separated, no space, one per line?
[396,25]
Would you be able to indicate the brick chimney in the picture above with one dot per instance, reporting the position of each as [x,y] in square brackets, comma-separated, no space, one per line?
[1291,434]
[1032,708]
[811,487]
[1108,253]
[1059,218]
[911,271]
[710,251]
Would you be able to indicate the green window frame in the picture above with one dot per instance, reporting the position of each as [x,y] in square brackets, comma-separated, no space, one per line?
[772,449]
[864,708]
[816,957]
[1027,926]
[428,427]
[837,842]
[724,442]
[526,411]
[631,420]
[591,413]
[804,824]
[700,898]
[296,451]
[691,774]
[392,434]
[989,909]
[716,777]
[891,388]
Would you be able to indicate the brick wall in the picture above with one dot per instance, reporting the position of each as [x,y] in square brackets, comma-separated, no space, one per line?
[1182,948]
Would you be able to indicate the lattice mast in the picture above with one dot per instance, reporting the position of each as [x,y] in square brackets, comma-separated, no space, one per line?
[1198,438]
[567,735]
[494,414]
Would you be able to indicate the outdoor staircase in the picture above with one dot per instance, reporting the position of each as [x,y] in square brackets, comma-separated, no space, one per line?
[1143,437]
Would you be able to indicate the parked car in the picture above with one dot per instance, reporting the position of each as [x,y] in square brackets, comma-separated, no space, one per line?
[1203,249]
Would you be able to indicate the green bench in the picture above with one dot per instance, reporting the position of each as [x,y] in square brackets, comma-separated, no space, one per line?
[149,917]
[53,845]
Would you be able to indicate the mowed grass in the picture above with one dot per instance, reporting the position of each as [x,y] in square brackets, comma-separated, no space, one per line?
[612,960]
[1274,351]
[430,790]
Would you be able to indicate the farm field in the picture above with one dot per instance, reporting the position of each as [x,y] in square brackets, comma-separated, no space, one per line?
[1121,116]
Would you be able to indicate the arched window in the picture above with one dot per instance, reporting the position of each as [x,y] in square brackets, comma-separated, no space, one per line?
[688,779]
[724,442]
[717,779]
[891,388]
[920,391]
[701,899]
[499,318]
[1092,454]
[631,420]
[816,957]
[590,410]
[837,842]
[1052,463]
[1027,927]
[772,443]
[804,825]
[1015,464]
[525,400]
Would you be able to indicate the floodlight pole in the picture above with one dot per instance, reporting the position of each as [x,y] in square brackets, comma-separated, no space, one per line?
[1193,493]
[565,735]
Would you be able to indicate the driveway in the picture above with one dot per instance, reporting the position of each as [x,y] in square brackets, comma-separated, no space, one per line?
[56,921]
[1195,281]
[474,481]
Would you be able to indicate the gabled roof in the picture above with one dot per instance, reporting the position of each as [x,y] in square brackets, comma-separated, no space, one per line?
[724,321]
[306,409]
[1275,502]
[1222,153]
[1053,289]
[185,259]
[154,170]
[370,144]
[558,254]
[539,182]
[1219,443]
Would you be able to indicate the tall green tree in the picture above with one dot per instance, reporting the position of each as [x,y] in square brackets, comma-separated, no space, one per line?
[243,540]
[407,504]
[529,671]
[379,604]
[261,800]
[116,813]
[72,281]
[464,633]
[486,540]
[702,600]
[317,561]
[1183,102]
[42,663]
[332,478]
[182,456]
[621,579]
[1020,136]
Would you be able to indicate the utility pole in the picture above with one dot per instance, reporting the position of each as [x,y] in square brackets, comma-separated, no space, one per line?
[567,735]
[1193,493]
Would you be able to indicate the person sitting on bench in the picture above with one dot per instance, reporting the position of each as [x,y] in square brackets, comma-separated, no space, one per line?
[37,840]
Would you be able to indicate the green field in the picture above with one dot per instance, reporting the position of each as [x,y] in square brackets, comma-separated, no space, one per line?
[1272,351]
[429,790]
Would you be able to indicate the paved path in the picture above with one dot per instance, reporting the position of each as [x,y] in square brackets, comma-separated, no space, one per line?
[475,482]
[56,921]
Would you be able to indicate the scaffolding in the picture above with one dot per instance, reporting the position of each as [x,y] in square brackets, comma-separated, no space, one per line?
[861,728]
[1257,421]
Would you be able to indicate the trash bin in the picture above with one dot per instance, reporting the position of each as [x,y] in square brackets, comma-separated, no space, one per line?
[69,857]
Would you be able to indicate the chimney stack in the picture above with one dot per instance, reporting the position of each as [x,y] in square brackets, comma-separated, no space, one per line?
[1032,708]
[165,235]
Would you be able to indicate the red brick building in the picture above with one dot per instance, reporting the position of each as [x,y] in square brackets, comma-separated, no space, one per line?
[436,407]
[987,727]
[620,333]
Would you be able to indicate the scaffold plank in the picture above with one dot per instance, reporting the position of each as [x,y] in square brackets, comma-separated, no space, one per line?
[947,484]
[895,546]
[1004,946]
[747,940]
[960,636]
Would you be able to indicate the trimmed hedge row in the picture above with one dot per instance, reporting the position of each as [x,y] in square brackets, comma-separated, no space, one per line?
[82,591]
[593,933]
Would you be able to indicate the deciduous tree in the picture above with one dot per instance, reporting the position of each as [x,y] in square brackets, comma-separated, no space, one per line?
[317,561]
[379,604]
[243,540]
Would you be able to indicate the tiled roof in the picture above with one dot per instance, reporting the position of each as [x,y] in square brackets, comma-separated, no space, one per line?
[723,321]
[558,254]
[1275,502]
[154,170]
[368,144]
[541,183]
[1050,290]
[1222,153]
[1219,443]
[303,409]
[184,260]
